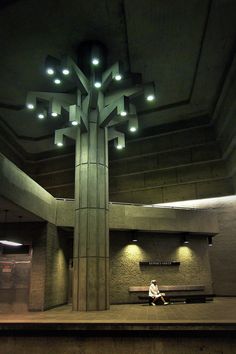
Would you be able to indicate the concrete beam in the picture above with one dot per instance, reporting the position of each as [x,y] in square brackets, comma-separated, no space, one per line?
[19,188]
[22,190]
[162,219]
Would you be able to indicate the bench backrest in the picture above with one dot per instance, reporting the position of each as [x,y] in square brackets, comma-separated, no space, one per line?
[168,288]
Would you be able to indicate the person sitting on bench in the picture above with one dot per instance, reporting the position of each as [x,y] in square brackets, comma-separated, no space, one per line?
[154,294]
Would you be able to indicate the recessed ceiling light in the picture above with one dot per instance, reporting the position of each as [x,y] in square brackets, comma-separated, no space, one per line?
[132,129]
[50,71]
[30,106]
[65,71]
[150,98]
[97,84]
[123,113]
[118,77]
[57,81]
[95,61]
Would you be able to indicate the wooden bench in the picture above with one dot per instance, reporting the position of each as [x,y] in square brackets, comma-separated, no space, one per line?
[176,293]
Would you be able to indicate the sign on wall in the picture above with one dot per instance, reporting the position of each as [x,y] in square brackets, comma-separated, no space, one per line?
[160,263]
[6,267]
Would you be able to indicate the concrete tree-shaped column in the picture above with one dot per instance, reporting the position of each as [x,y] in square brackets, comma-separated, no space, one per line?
[94,114]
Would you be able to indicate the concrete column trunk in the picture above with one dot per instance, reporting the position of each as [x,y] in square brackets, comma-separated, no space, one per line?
[91,233]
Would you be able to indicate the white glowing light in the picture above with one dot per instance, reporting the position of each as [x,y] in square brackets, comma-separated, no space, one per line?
[74,122]
[59,144]
[30,106]
[10,243]
[118,77]
[97,84]
[54,114]
[57,81]
[65,71]
[41,116]
[123,113]
[119,147]
[150,98]
[95,61]
[50,71]
[133,129]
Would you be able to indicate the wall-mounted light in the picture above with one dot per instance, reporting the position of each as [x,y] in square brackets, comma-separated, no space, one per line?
[185,240]
[134,238]
[209,241]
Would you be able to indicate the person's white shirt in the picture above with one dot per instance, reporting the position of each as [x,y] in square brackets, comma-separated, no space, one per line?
[154,291]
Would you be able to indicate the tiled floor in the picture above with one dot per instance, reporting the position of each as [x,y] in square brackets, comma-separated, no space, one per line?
[221,310]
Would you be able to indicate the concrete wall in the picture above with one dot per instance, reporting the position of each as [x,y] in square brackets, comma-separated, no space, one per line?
[161,219]
[17,186]
[48,285]
[179,165]
[50,269]
[38,270]
[33,234]
[224,122]
[125,271]
[222,254]
[141,342]
[57,267]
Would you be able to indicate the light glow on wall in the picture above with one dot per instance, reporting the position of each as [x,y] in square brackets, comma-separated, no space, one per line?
[184,252]
[133,251]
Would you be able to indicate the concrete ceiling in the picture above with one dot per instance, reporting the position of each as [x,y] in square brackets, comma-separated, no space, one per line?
[186,47]
[10,212]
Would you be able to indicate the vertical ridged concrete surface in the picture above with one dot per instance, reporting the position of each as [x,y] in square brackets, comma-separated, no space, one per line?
[91,251]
